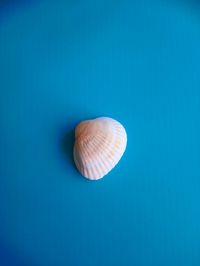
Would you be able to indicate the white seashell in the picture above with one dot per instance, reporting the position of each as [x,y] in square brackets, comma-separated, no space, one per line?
[99,145]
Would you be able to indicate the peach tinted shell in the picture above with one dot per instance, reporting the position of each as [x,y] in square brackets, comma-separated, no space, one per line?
[99,145]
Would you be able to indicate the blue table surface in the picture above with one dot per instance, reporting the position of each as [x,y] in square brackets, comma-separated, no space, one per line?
[65,61]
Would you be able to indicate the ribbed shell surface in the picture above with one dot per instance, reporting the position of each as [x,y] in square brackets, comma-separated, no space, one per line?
[99,145]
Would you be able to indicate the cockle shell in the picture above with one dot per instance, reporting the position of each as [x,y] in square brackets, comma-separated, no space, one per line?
[99,145]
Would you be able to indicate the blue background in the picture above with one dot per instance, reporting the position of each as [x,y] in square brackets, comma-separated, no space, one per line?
[135,61]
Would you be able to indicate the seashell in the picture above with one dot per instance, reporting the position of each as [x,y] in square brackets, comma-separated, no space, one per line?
[99,145]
